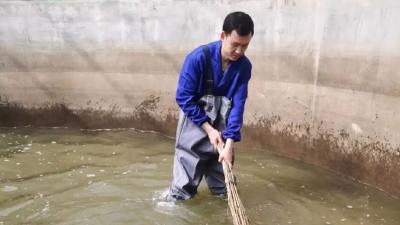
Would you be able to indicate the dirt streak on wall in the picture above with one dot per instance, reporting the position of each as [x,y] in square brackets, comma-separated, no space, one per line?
[370,161]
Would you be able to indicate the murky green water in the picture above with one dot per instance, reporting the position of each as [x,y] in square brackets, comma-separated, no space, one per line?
[62,176]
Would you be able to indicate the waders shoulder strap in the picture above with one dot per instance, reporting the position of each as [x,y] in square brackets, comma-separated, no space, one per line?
[208,70]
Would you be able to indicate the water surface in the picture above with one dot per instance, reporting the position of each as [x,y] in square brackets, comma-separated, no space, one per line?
[66,176]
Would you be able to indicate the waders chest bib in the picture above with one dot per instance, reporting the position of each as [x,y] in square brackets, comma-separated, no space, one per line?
[195,156]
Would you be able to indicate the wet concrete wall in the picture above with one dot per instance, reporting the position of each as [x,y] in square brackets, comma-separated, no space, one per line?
[325,86]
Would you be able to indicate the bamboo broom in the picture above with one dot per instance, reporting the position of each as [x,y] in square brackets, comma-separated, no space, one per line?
[238,212]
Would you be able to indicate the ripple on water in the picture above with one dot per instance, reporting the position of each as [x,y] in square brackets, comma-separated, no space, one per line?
[172,208]
[9,188]
[162,205]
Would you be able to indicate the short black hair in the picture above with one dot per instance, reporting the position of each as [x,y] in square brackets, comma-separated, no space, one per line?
[239,21]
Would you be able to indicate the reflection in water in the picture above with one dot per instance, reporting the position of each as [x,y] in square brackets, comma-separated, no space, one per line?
[63,176]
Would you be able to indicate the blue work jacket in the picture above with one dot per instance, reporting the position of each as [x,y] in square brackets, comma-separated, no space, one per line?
[231,83]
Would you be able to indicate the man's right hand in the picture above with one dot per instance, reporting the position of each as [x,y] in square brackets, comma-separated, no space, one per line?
[213,134]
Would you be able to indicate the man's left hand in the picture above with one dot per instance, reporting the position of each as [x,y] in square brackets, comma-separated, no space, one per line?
[227,154]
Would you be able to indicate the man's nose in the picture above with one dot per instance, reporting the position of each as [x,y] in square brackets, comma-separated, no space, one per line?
[239,50]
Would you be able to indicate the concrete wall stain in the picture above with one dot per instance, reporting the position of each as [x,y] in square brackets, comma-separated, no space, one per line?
[368,161]
[60,115]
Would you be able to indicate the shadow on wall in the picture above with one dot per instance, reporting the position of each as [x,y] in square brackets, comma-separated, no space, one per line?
[86,56]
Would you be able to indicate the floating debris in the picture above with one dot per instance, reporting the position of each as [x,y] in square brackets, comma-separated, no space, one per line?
[126,172]
[39,195]
[46,207]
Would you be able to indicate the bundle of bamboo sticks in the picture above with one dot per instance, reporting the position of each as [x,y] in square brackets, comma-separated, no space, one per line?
[235,204]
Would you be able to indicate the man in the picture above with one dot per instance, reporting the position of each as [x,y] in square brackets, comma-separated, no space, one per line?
[211,93]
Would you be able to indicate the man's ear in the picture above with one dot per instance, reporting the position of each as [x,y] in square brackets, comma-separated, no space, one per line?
[222,35]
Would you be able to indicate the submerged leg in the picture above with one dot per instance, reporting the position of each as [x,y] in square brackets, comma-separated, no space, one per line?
[186,177]
[215,177]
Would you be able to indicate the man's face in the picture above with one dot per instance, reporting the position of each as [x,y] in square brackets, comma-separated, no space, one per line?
[234,45]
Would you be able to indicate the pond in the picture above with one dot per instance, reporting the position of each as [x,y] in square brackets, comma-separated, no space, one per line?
[69,176]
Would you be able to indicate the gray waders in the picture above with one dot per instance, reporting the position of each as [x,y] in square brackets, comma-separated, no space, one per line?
[195,156]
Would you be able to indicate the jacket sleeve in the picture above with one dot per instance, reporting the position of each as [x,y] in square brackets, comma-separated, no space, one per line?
[188,86]
[235,118]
